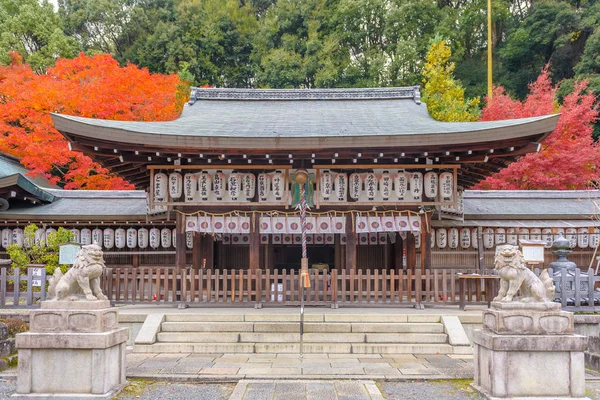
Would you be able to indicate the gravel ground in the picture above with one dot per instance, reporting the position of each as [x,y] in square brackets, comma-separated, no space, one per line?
[155,390]
[449,390]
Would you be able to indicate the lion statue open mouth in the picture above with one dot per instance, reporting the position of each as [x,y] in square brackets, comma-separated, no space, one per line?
[516,277]
[82,278]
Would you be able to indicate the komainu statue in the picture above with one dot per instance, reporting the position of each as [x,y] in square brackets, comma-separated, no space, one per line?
[515,277]
[83,277]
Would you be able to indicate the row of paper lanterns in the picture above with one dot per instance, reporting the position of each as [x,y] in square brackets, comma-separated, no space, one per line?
[109,238]
[454,238]
[235,186]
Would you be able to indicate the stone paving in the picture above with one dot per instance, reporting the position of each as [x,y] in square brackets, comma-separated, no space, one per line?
[234,367]
[306,390]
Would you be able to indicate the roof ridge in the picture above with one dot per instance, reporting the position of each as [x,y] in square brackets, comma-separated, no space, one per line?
[407,92]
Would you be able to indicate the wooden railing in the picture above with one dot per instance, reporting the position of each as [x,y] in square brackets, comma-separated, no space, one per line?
[22,289]
[243,287]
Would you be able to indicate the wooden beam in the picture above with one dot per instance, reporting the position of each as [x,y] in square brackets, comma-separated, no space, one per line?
[254,242]
[411,252]
[350,245]
[197,251]
[180,247]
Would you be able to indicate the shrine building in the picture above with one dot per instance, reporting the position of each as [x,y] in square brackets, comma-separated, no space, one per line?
[382,173]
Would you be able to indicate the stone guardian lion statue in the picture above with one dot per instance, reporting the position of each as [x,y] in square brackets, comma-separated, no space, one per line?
[515,277]
[83,277]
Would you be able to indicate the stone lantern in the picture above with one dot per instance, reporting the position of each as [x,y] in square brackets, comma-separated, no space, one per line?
[561,248]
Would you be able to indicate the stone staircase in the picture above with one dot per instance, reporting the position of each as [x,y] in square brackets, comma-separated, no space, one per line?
[323,333]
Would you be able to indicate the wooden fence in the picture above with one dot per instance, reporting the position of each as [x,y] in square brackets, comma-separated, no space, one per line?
[576,290]
[11,292]
[243,287]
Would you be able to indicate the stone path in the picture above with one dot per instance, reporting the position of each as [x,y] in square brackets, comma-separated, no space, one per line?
[306,390]
[234,367]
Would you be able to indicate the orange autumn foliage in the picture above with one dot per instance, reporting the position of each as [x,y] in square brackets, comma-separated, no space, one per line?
[569,159]
[94,87]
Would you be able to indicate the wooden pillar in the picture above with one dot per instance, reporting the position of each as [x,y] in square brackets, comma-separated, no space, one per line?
[425,243]
[135,260]
[209,251]
[337,249]
[480,254]
[180,247]
[350,245]
[398,253]
[411,252]
[197,251]
[254,242]
[268,255]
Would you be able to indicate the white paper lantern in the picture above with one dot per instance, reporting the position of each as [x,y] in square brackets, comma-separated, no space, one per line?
[154,238]
[385,185]
[249,186]
[431,185]
[500,235]
[97,236]
[401,184]
[219,185]
[370,185]
[165,238]
[175,185]
[142,238]
[594,238]
[174,237]
[76,235]
[453,238]
[535,234]
[341,186]
[109,238]
[432,231]
[120,238]
[511,237]
[264,186]
[189,240]
[474,238]
[488,238]
[416,185]
[523,234]
[465,238]
[278,184]
[190,186]
[52,231]
[547,237]
[441,238]
[6,237]
[355,186]
[132,238]
[86,236]
[18,237]
[234,186]
[326,185]
[204,185]
[417,240]
[447,186]
[582,238]
[571,235]
[160,187]
[40,237]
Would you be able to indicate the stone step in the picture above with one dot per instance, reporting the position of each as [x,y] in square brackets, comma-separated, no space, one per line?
[259,337]
[425,327]
[204,317]
[405,348]
[198,337]
[406,338]
[293,327]
[294,348]
[205,348]
[207,326]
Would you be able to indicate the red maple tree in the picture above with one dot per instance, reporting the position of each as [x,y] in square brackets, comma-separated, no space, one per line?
[569,158]
[95,87]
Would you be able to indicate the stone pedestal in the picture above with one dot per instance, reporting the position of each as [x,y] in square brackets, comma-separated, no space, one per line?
[74,350]
[528,351]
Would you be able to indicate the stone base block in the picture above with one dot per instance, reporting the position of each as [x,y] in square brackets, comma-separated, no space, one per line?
[528,319]
[84,358]
[480,390]
[532,367]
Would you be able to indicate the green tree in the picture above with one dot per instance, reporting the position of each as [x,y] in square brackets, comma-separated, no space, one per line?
[444,96]
[36,252]
[35,31]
